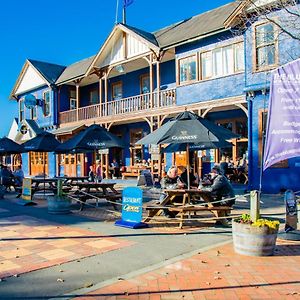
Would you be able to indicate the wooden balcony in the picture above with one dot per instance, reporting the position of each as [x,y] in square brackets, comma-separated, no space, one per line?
[123,106]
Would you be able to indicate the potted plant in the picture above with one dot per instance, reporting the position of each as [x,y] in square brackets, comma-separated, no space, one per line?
[59,203]
[254,238]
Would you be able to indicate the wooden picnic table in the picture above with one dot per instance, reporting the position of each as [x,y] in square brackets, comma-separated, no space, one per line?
[179,200]
[107,191]
[73,180]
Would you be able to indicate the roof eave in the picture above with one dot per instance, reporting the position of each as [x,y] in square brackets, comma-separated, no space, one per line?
[200,37]
[231,21]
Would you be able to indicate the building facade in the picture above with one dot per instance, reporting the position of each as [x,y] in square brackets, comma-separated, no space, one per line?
[138,80]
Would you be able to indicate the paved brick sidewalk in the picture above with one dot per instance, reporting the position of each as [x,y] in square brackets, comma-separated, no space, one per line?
[28,244]
[216,274]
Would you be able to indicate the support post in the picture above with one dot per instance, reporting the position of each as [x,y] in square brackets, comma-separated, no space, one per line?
[100,96]
[254,205]
[77,101]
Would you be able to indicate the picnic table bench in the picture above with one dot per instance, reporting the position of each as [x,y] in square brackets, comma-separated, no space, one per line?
[183,206]
[96,190]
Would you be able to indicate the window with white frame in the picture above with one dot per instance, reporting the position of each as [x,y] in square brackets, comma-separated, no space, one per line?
[222,61]
[21,110]
[46,97]
[33,113]
[265,46]
[188,69]
[117,91]
[94,97]
[72,99]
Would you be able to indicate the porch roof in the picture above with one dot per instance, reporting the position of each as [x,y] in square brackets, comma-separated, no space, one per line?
[75,70]
[68,130]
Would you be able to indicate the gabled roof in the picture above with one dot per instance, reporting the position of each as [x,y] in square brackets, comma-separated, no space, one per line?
[45,73]
[49,71]
[75,70]
[196,26]
[146,38]
[150,37]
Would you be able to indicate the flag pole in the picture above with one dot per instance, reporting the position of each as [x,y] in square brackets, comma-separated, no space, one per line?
[124,14]
[117,11]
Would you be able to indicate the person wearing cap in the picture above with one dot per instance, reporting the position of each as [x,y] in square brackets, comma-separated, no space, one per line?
[220,188]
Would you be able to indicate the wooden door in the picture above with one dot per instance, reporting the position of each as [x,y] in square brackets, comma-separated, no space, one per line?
[17,161]
[180,159]
[70,165]
[38,163]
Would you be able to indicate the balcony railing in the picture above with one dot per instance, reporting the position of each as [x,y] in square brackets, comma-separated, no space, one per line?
[121,106]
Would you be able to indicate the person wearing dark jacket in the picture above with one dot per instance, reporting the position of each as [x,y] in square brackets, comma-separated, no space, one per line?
[220,188]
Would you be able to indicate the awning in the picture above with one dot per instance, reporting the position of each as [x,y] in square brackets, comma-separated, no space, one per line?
[68,130]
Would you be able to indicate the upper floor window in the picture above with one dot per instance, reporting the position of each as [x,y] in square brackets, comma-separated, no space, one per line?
[72,99]
[46,97]
[21,110]
[117,92]
[33,113]
[265,46]
[145,84]
[222,61]
[188,69]
[94,97]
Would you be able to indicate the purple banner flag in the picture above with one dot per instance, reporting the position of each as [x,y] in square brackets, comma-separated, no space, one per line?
[127,2]
[283,124]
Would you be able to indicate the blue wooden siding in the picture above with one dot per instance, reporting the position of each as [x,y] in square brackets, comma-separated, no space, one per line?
[42,120]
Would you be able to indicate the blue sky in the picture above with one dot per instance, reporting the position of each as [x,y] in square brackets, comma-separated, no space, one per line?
[66,31]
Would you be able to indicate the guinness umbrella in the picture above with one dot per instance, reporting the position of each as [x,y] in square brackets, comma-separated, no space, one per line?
[43,142]
[7,147]
[196,147]
[188,129]
[91,139]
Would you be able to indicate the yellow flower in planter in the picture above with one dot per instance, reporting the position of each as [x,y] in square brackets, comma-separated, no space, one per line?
[245,219]
[265,222]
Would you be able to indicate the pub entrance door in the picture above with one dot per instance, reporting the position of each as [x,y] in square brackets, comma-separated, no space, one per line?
[37,161]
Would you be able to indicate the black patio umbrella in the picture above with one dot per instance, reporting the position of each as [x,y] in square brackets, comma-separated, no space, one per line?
[187,128]
[196,147]
[42,142]
[7,147]
[91,139]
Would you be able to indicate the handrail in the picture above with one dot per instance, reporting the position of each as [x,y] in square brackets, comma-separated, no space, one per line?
[127,105]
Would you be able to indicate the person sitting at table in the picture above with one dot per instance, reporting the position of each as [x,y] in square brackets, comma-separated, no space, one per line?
[91,174]
[224,165]
[171,182]
[115,168]
[6,177]
[19,176]
[193,179]
[220,188]
[98,171]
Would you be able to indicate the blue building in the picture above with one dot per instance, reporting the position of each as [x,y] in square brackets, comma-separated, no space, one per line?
[138,80]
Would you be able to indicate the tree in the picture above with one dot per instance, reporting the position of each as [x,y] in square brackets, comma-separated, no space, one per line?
[250,11]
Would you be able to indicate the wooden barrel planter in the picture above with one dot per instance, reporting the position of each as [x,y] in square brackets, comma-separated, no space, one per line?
[253,241]
[58,205]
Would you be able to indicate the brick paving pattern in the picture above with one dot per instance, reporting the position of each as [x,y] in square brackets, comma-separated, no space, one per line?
[216,274]
[28,244]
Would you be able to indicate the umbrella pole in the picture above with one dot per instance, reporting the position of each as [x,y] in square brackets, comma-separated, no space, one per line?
[188,165]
